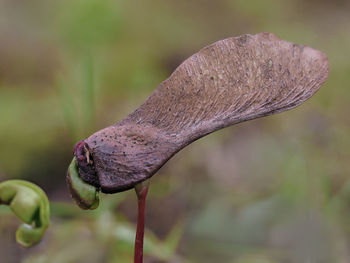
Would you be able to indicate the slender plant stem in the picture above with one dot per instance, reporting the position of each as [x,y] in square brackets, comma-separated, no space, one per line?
[141,191]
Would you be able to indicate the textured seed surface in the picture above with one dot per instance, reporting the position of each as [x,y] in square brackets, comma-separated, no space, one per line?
[230,81]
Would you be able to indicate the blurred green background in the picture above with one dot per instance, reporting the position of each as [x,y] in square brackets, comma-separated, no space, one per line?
[271,190]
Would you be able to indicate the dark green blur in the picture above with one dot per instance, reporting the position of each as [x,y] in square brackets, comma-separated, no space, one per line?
[272,190]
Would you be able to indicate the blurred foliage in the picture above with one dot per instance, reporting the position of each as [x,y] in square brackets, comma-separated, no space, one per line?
[271,190]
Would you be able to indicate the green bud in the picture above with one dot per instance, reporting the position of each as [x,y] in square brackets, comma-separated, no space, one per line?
[30,204]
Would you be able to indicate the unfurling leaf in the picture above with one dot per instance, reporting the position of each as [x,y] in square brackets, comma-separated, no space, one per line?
[30,204]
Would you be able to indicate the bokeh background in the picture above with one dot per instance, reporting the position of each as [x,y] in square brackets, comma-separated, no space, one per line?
[271,190]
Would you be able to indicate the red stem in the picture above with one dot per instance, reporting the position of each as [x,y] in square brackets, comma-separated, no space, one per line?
[141,191]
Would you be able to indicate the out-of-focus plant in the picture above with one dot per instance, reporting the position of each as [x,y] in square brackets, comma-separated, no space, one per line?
[79,106]
[102,235]
[85,25]
[30,204]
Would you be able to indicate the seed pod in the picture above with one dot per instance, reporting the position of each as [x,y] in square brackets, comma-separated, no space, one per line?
[230,81]
[30,204]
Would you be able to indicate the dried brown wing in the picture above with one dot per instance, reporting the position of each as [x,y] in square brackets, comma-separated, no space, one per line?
[231,81]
